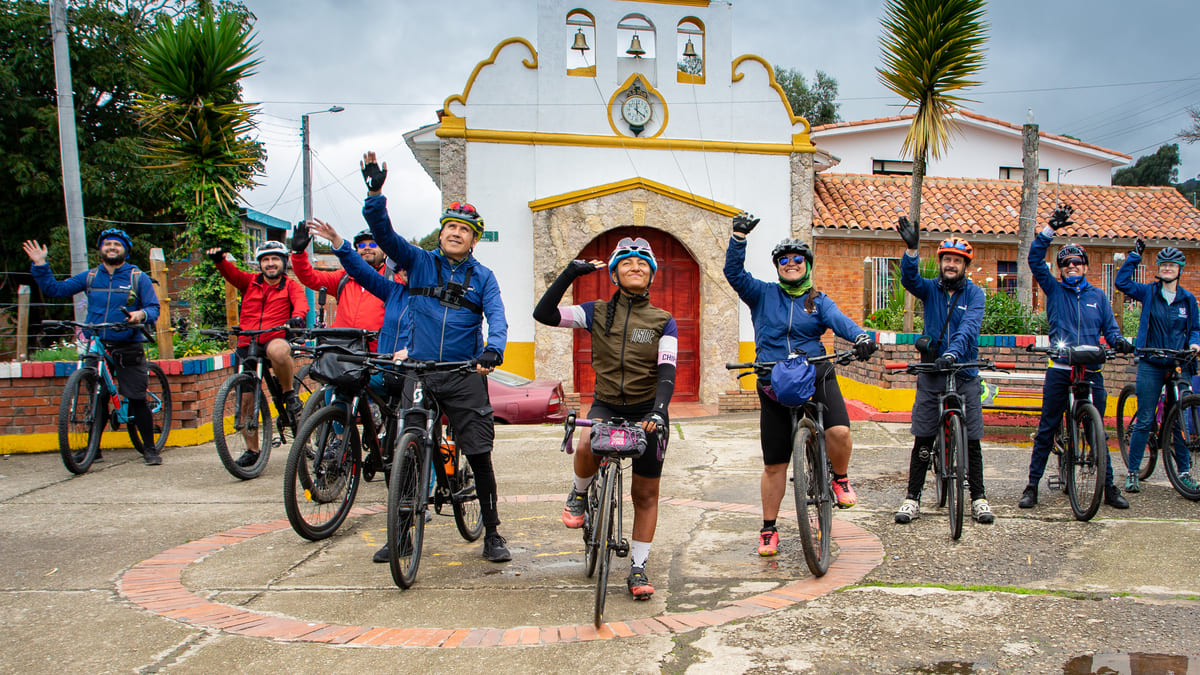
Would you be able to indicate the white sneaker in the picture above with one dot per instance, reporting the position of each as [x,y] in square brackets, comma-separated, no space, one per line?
[981,512]
[909,511]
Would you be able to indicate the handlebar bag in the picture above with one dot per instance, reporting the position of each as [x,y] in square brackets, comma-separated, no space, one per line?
[618,440]
[793,381]
[329,369]
[1085,355]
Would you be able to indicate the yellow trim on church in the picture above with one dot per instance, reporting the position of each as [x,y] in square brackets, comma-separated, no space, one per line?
[462,98]
[629,184]
[612,114]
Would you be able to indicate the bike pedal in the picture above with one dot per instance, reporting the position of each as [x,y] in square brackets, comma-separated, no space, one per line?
[622,549]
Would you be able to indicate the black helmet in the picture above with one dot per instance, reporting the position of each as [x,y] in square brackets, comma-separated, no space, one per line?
[793,246]
[363,235]
[1071,251]
[1171,254]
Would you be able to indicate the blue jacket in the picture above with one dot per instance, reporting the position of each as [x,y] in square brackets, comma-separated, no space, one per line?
[1078,316]
[966,316]
[1174,326]
[396,330]
[108,295]
[441,333]
[781,324]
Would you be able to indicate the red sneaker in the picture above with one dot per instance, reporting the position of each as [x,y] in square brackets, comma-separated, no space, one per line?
[572,515]
[844,493]
[638,584]
[768,542]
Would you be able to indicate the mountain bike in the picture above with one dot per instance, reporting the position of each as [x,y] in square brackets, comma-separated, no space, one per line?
[1178,387]
[321,478]
[812,474]
[1177,419]
[949,456]
[241,420]
[90,400]
[604,512]
[1080,444]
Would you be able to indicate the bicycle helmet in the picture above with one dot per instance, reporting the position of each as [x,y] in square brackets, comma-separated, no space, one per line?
[957,246]
[1071,251]
[792,246]
[121,236]
[629,247]
[462,212]
[271,248]
[1171,254]
[363,235]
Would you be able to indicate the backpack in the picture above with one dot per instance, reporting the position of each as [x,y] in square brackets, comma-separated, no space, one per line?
[131,298]
[793,381]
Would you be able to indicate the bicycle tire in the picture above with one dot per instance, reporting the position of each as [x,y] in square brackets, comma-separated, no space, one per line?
[940,484]
[814,498]
[591,529]
[318,492]
[1188,408]
[229,420]
[158,399]
[608,511]
[1086,463]
[407,501]
[82,414]
[956,464]
[1126,413]
[468,516]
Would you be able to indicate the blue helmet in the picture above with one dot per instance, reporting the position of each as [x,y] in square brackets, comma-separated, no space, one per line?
[629,247]
[118,234]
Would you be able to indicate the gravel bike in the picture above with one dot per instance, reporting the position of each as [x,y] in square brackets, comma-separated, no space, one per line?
[90,400]
[811,472]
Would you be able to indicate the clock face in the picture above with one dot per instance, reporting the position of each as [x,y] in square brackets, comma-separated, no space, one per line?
[636,111]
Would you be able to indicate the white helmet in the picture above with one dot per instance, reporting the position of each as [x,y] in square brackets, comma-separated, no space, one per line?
[271,248]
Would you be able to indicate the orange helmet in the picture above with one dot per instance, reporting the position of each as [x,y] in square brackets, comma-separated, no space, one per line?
[957,246]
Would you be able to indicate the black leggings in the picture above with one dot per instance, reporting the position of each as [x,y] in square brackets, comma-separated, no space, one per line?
[143,421]
[485,488]
[918,465]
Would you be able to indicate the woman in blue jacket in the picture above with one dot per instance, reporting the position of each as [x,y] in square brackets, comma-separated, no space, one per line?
[790,316]
[1169,321]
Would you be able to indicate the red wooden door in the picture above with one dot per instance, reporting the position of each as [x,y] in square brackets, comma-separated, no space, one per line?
[676,288]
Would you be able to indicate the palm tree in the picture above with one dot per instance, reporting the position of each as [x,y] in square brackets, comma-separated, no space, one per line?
[198,129]
[931,49]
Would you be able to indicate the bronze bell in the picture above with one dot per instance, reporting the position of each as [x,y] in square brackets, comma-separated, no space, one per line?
[580,41]
[635,47]
[689,50]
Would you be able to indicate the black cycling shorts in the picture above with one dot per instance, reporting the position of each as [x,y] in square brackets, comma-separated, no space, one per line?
[464,400]
[775,419]
[129,368]
[648,465]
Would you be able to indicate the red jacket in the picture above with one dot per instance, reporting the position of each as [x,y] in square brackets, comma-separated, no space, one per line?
[356,307]
[264,305]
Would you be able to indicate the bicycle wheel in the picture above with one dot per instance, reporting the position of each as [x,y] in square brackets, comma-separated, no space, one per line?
[158,399]
[82,413]
[315,400]
[319,490]
[408,493]
[604,552]
[1085,466]
[1126,414]
[956,466]
[1182,427]
[591,528]
[467,514]
[233,423]
[940,484]
[814,498]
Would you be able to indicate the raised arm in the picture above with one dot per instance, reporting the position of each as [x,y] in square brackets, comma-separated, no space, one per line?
[547,311]
[1124,280]
[45,278]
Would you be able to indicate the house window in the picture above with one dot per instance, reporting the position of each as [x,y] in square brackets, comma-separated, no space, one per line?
[1106,275]
[1006,276]
[1018,173]
[887,279]
[255,236]
[690,31]
[891,167]
[581,63]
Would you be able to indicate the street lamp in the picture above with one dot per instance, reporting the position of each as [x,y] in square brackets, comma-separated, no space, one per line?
[305,152]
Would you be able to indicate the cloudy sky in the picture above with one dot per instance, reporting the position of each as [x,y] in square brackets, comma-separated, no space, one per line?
[1110,72]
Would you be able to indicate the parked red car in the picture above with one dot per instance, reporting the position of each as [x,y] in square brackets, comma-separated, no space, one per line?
[519,400]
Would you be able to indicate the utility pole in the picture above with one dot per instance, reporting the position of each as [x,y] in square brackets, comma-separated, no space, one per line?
[1027,225]
[68,147]
[305,161]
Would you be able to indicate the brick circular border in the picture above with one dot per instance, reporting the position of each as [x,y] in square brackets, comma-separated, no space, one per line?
[156,585]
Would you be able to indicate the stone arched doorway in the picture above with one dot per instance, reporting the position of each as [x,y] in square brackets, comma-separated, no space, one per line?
[676,289]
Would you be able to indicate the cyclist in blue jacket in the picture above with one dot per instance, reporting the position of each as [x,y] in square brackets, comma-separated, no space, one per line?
[953,317]
[450,295]
[112,298]
[1169,320]
[790,316]
[1079,314]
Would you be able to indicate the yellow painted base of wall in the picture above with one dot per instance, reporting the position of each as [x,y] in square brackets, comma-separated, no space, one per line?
[518,358]
[112,440]
[893,400]
[746,355]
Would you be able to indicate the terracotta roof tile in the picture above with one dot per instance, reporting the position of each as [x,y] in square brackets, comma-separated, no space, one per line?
[964,205]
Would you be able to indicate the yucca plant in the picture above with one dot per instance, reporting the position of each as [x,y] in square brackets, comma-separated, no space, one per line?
[932,49]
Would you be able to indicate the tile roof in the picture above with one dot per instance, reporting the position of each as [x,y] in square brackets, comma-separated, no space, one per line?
[975,116]
[978,206]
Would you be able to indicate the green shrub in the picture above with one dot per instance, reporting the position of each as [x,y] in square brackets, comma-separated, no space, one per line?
[61,351]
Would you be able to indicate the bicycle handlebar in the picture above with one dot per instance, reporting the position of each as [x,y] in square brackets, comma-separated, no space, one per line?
[115,325]
[764,367]
[933,367]
[1181,355]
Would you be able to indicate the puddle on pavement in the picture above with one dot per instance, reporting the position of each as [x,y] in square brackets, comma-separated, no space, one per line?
[1130,664]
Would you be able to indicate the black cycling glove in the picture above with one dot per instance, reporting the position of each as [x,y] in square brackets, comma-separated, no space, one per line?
[1061,217]
[297,322]
[945,360]
[744,222]
[489,359]
[1139,246]
[217,256]
[374,176]
[864,346]
[909,232]
[300,238]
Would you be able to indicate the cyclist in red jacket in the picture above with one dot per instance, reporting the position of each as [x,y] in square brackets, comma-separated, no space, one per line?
[269,299]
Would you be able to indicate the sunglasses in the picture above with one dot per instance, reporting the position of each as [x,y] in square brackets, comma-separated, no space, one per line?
[367,244]
[783,260]
[631,244]
[1072,262]
[463,207]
